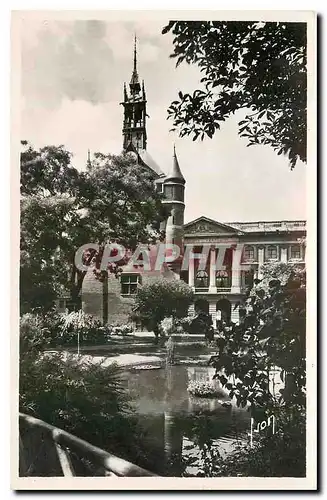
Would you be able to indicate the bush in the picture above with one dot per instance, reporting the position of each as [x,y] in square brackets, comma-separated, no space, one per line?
[88,400]
[167,326]
[34,336]
[121,329]
[279,455]
[202,389]
[54,329]
[161,299]
[87,327]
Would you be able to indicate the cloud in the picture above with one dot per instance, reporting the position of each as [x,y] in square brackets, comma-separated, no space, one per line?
[70,60]
[76,60]
[73,74]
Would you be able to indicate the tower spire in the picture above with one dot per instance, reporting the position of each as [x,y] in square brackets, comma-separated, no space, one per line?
[134,125]
[135,84]
[135,71]
[88,158]
[175,172]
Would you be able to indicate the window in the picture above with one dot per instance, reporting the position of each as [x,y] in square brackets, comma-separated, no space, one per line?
[223,279]
[295,252]
[249,253]
[168,192]
[159,187]
[247,278]
[178,193]
[201,280]
[272,252]
[129,283]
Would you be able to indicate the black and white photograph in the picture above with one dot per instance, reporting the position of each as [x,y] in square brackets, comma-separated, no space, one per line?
[165,194]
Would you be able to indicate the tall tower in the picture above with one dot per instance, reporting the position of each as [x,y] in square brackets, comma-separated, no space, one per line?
[134,129]
[174,187]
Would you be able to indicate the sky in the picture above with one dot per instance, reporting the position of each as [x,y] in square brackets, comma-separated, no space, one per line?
[71,86]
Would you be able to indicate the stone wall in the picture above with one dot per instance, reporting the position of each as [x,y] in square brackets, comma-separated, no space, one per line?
[119,308]
[93,294]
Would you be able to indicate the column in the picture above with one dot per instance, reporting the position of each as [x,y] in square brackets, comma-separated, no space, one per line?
[260,261]
[235,314]
[236,270]
[191,310]
[212,275]
[191,271]
[283,254]
[213,313]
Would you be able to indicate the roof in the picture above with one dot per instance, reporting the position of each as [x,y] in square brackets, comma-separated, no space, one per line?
[277,225]
[149,162]
[248,227]
[204,224]
[175,172]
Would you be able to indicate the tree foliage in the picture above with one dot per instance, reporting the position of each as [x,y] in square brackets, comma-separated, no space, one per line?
[256,66]
[159,299]
[86,399]
[271,334]
[113,200]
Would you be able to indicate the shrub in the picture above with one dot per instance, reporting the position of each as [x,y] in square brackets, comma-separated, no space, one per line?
[279,455]
[89,329]
[121,329]
[54,329]
[167,326]
[202,389]
[160,299]
[88,400]
[34,336]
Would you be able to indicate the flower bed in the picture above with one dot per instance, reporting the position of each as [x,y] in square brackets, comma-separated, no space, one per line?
[202,389]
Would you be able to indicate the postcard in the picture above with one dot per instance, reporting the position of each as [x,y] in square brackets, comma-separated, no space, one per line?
[164,172]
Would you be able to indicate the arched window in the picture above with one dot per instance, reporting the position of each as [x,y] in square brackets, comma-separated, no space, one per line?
[272,252]
[295,252]
[249,252]
[201,279]
[223,279]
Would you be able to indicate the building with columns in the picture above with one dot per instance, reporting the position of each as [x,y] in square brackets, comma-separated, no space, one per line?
[245,247]
[217,291]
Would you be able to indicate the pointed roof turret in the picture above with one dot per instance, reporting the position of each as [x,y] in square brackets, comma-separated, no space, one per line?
[175,173]
[135,84]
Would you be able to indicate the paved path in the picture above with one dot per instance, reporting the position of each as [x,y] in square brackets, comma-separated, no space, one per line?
[121,359]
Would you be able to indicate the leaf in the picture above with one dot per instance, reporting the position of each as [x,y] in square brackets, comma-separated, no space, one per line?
[168,27]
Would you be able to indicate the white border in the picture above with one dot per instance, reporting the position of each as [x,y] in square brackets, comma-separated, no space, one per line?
[177,483]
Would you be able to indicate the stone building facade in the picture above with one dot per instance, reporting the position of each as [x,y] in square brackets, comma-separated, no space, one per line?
[246,246]
[217,291]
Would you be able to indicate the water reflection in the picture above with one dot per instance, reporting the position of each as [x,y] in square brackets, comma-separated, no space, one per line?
[179,426]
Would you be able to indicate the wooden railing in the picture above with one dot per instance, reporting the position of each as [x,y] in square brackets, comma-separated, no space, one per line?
[45,450]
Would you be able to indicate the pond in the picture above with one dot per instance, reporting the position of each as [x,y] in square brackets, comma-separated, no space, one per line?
[178,426]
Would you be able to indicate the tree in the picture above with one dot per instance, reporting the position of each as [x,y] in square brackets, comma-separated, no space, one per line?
[160,299]
[113,200]
[271,333]
[256,66]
